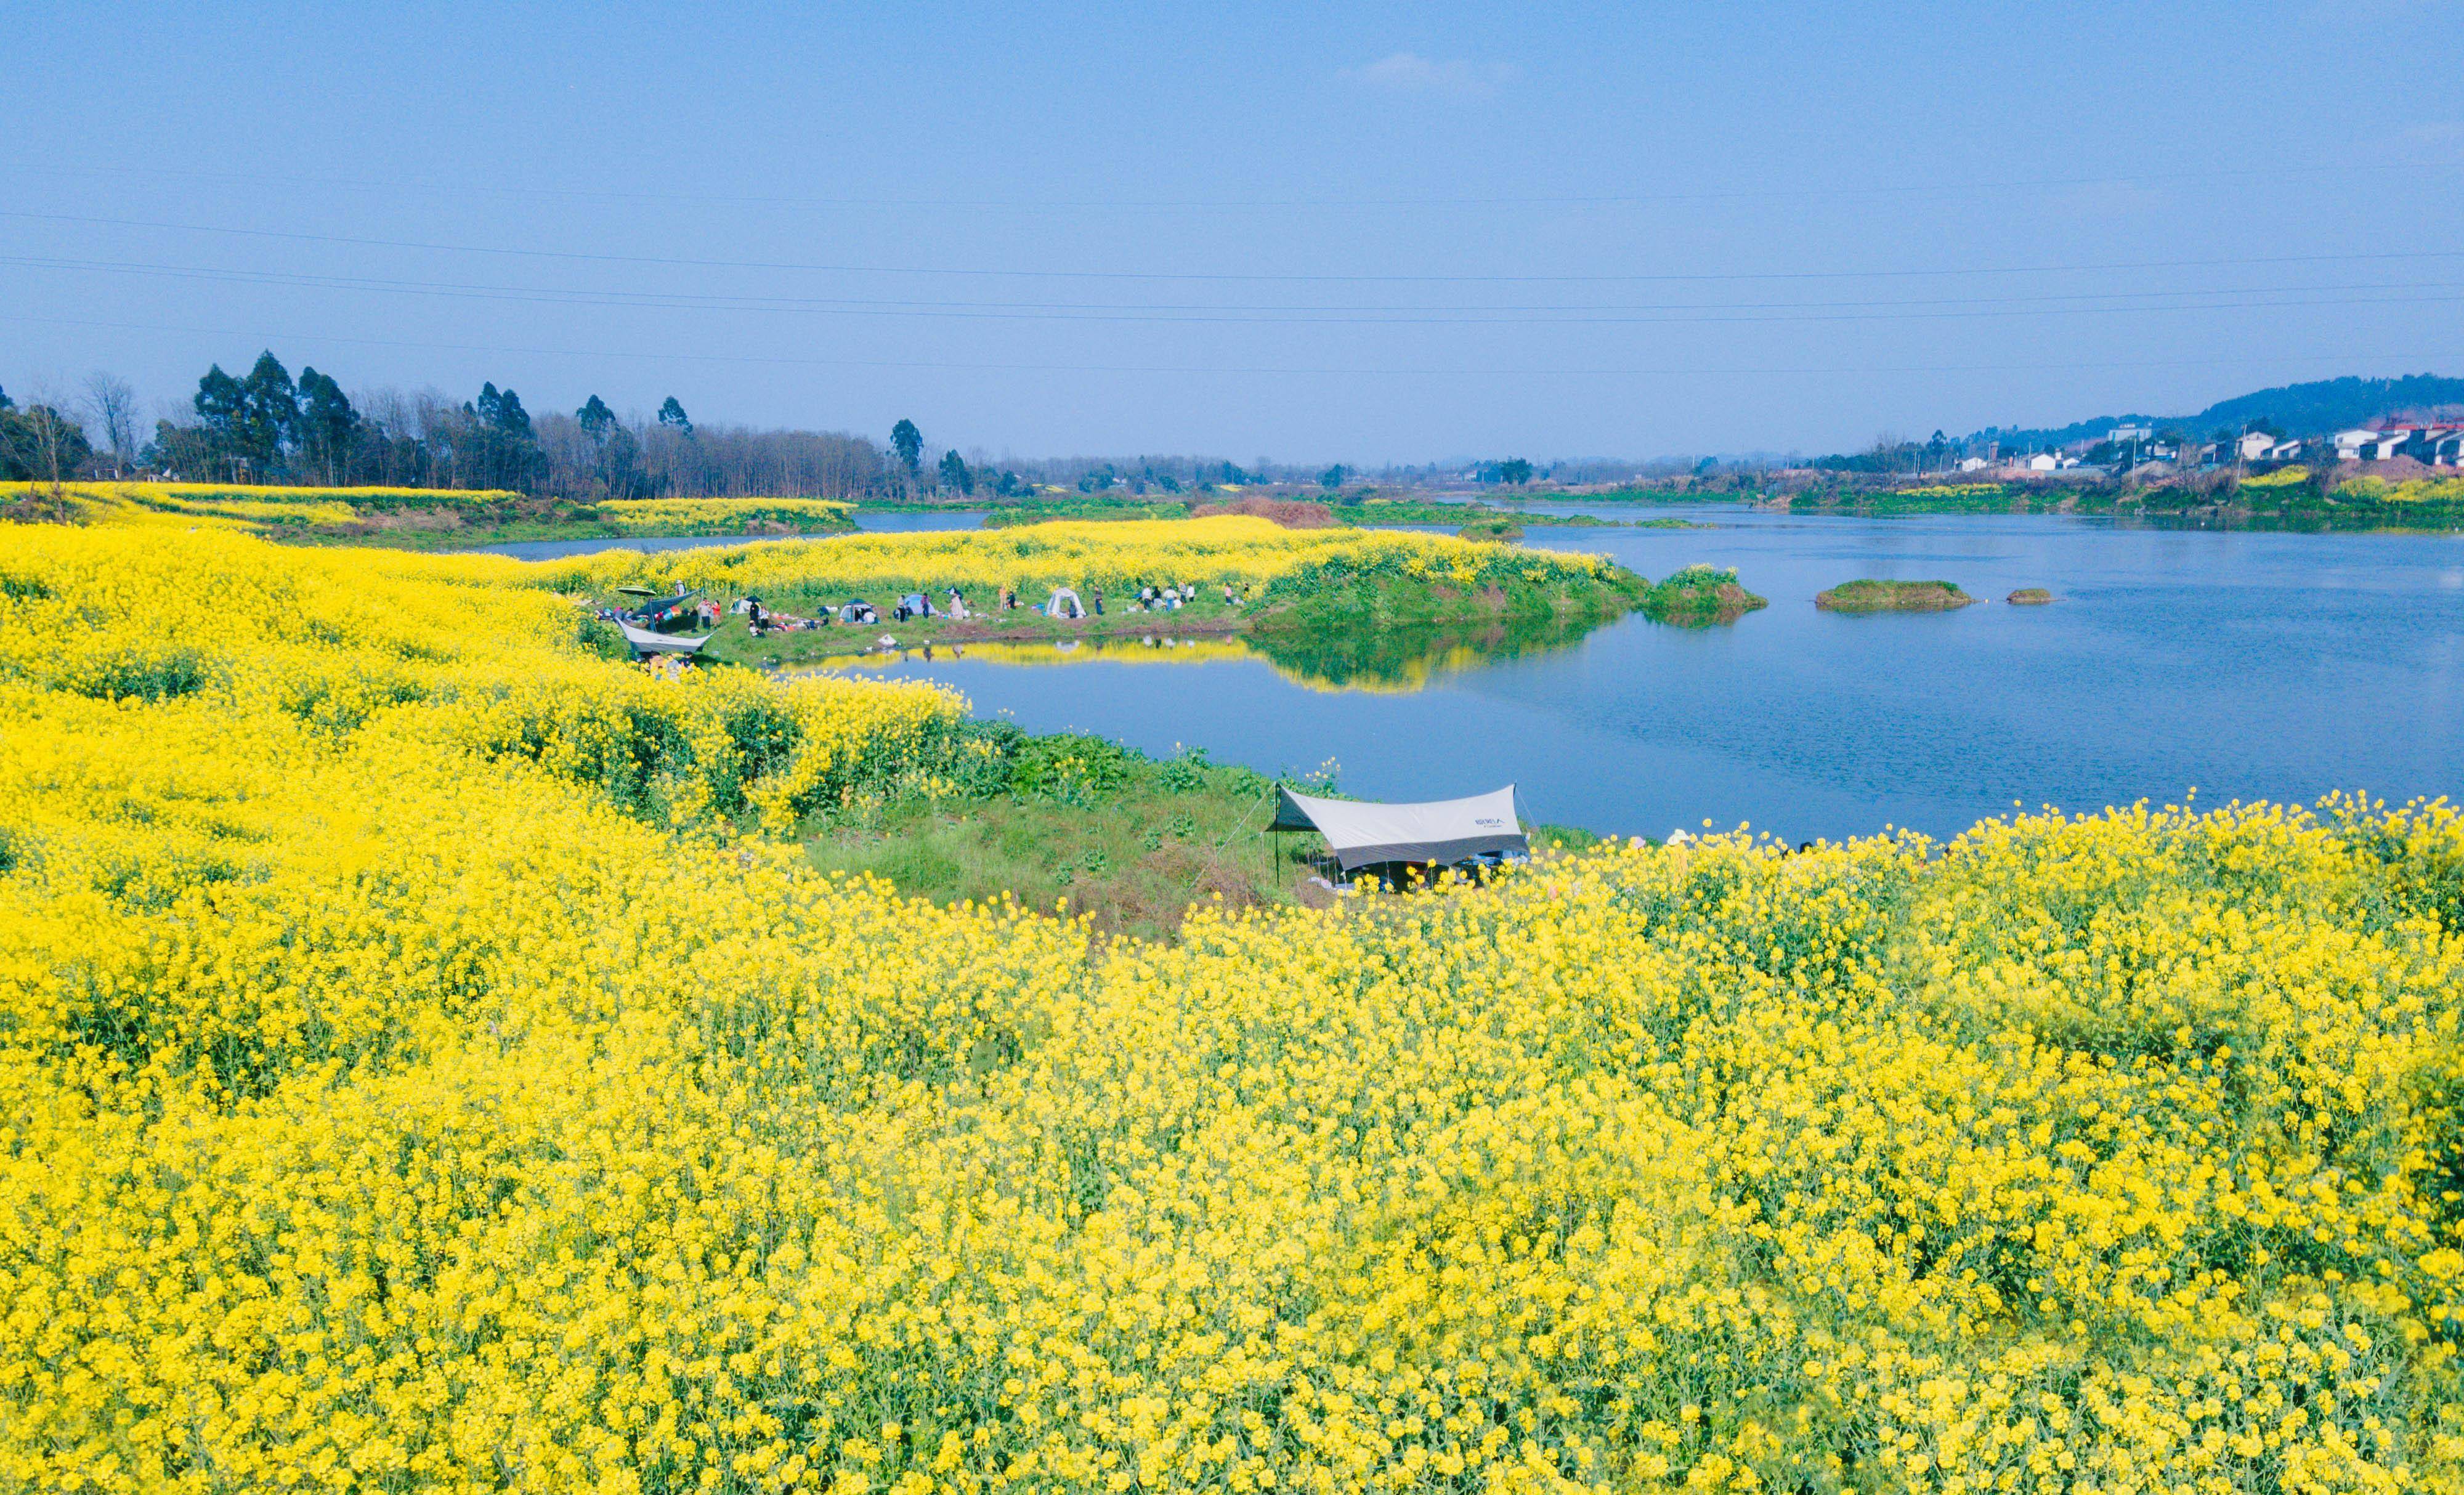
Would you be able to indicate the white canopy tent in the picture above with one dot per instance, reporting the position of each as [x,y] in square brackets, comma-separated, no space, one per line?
[1439,831]
[646,642]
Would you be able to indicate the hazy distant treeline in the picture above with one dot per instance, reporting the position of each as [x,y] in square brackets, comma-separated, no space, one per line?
[266,425]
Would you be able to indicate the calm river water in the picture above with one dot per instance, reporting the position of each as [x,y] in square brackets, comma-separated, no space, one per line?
[2245,664]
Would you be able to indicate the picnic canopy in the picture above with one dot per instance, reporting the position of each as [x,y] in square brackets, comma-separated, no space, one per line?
[1363,834]
[662,609]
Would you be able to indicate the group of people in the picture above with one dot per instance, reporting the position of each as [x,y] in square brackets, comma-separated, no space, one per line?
[919,604]
[761,620]
[1151,598]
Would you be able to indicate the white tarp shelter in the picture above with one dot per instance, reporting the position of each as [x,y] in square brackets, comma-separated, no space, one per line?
[1439,831]
[646,642]
[1065,604]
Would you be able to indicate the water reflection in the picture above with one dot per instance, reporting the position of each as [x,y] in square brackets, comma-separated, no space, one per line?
[1393,661]
[1400,660]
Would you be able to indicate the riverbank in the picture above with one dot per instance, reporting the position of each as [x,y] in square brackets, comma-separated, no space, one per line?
[414,518]
[1368,509]
[2352,499]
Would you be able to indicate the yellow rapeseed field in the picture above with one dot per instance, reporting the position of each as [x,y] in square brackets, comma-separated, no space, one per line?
[420,1070]
[244,506]
[1115,553]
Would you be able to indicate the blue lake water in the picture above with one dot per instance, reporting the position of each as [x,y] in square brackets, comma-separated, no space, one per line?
[2246,665]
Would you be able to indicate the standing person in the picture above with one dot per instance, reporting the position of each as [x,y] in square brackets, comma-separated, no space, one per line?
[1096,595]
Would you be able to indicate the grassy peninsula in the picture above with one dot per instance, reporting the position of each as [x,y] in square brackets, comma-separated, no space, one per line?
[1282,583]
[1869,595]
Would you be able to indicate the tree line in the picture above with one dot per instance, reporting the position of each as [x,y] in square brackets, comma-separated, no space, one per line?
[267,426]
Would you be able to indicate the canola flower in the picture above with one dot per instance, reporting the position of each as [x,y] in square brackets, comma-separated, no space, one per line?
[693,515]
[243,506]
[2410,489]
[1113,554]
[418,1070]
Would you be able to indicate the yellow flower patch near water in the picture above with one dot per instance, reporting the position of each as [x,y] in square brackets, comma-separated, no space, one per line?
[1113,554]
[2411,490]
[672,516]
[418,1071]
[120,502]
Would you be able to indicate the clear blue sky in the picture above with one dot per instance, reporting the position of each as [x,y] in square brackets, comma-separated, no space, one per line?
[1397,232]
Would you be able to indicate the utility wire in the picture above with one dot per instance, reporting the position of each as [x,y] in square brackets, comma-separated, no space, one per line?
[262,334]
[1229,276]
[1401,314]
[1471,316]
[1293,203]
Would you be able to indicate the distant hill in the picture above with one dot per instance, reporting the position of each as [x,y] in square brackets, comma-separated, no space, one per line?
[2312,409]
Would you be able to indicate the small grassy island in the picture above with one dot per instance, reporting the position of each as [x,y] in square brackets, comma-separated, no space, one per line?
[1699,596]
[2030,597]
[1869,595]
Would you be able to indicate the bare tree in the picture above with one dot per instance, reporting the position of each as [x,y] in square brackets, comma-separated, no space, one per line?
[111,404]
[54,444]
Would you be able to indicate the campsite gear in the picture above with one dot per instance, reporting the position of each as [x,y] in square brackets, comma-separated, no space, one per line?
[665,610]
[1480,830]
[1065,604]
[646,642]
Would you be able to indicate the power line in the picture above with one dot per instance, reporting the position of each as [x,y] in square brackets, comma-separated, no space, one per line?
[260,334]
[1665,315]
[1229,276]
[1294,203]
[1302,312]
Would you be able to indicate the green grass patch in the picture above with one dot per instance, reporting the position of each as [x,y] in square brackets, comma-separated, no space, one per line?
[1869,595]
[1700,596]
[1081,823]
